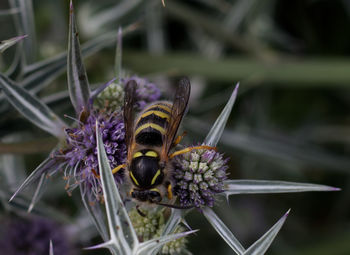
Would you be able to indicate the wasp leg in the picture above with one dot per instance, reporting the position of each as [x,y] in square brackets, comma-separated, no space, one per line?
[170,193]
[179,138]
[115,170]
[139,211]
[176,153]
[94,172]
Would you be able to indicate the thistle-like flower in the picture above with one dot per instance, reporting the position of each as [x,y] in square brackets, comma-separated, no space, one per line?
[80,149]
[177,246]
[152,225]
[199,176]
[94,146]
[32,237]
[146,92]
[111,98]
[76,153]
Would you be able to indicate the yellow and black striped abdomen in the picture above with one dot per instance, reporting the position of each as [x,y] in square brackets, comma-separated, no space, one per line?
[151,126]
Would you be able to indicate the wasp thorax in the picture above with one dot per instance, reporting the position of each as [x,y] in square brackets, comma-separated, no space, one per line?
[145,171]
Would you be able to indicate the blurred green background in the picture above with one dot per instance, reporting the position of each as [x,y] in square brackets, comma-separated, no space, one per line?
[290,121]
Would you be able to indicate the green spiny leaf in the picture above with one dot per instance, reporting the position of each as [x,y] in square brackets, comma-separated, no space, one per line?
[78,84]
[223,231]
[118,55]
[47,166]
[122,237]
[232,187]
[94,211]
[51,248]
[38,192]
[93,23]
[32,108]
[5,44]
[25,25]
[261,245]
[217,129]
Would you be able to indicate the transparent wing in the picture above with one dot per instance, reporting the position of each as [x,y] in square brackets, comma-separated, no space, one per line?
[178,109]
[129,101]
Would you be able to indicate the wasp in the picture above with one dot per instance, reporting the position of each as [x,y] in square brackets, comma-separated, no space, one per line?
[150,139]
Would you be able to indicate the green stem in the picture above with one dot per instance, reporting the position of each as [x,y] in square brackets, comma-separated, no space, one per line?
[29,147]
[308,72]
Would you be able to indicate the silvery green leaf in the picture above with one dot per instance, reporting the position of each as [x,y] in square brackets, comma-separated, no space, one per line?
[122,234]
[78,84]
[118,55]
[38,192]
[51,248]
[9,162]
[87,49]
[93,23]
[24,22]
[223,231]
[150,246]
[20,205]
[271,147]
[47,166]
[95,212]
[5,44]
[217,129]
[232,187]
[32,108]
[9,12]
[16,67]
[154,17]
[39,74]
[261,246]
[174,220]
[56,98]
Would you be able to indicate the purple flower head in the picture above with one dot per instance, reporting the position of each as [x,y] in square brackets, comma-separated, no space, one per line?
[32,237]
[146,92]
[199,176]
[81,153]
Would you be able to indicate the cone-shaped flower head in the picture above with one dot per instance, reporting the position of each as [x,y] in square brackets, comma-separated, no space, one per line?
[80,151]
[111,97]
[146,92]
[199,176]
[81,154]
[152,226]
